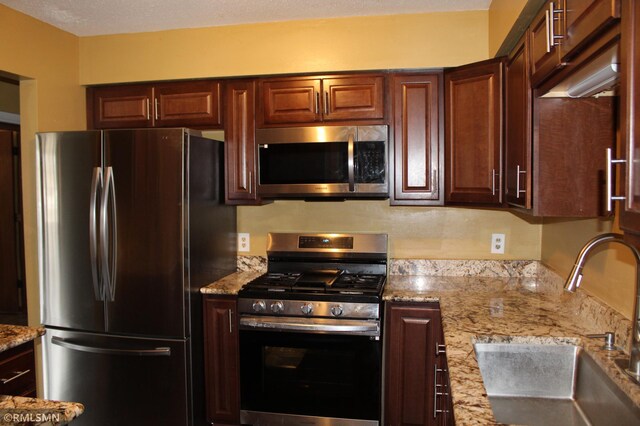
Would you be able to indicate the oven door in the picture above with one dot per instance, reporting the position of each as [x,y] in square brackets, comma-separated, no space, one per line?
[325,378]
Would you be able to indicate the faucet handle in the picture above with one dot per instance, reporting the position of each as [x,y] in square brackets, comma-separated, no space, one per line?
[609,340]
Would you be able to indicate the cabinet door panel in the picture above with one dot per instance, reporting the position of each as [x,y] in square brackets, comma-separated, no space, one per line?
[473,105]
[221,361]
[353,98]
[518,128]
[240,149]
[630,116]
[411,333]
[291,101]
[122,107]
[417,145]
[188,104]
[545,51]
[585,19]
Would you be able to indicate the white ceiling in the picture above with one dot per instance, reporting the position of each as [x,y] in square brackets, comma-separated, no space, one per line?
[96,17]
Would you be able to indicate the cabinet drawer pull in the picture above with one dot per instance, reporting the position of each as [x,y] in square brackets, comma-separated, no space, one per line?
[552,31]
[609,181]
[17,374]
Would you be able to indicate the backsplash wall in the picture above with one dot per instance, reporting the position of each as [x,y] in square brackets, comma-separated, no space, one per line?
[414,232]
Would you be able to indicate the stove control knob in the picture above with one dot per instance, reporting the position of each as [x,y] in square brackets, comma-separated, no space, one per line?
[307,308]
[336,310]
[259,306]
[277,307]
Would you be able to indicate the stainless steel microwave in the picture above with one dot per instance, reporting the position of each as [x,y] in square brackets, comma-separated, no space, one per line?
[323,161]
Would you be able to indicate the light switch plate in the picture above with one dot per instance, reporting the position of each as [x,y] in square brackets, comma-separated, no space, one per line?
[244,242]
[498,242]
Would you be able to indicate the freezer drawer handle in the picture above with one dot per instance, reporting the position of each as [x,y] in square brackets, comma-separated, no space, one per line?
[162,351]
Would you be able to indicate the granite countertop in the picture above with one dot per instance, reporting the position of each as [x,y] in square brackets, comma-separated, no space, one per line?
[15,335]
[22,410]
[499,309]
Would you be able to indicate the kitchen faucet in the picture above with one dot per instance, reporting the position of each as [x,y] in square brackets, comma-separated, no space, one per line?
[575,278]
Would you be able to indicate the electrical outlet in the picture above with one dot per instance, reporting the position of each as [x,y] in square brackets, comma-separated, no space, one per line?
[244,242]
[498,242]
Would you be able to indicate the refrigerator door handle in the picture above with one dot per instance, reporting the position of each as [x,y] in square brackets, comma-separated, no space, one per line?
[73,345]
[96,184]
[109,245]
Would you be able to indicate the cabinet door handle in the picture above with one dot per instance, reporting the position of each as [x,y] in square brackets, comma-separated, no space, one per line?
[326,103]
[435,390]
[250,179]
[157,108]
[148,110]
[440,349]
[547,21]
[17,374]
[230,321]
[317,103]
[609,181]
[518,190]
[552,31]
[493,182]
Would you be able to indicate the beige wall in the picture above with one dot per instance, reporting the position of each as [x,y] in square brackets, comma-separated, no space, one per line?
[383,42]
[47,61]
[609,273]
[378,42]
[414,232]
[502,15]
[9,98]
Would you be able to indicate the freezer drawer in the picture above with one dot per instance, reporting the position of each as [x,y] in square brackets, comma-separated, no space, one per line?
[120,380]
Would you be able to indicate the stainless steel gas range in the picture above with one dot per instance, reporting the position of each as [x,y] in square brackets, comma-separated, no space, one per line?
[310,332]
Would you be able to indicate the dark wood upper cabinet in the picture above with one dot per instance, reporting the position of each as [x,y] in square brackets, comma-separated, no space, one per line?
[630,117]
[113,107]
[353,98]
[473,141]
[194,104]
[308,100]
[221,352]
[417,154]
[290,100]
[186,104]
[240,146]
[544,42]
[412,331]
[583,20]
[518,133]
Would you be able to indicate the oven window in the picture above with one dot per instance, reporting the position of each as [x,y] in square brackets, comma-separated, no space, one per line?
[304,163]
[312,375]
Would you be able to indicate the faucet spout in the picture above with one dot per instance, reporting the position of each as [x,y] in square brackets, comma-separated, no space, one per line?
[575,278]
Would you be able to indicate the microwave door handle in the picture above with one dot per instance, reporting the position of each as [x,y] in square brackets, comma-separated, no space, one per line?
[350,165]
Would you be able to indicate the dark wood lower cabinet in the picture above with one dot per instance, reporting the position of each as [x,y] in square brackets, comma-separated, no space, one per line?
[221,351]
[18,371]
[416,376]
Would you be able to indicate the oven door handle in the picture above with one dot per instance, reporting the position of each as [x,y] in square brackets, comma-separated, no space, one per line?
[311,325]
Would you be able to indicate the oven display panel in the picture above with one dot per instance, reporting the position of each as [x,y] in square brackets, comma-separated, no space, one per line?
[315,242]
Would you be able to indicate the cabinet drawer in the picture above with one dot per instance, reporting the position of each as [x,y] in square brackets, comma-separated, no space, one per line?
[17,371]
[586,19]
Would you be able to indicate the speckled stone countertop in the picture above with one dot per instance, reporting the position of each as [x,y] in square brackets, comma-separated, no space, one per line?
[498,309]
[15,335]
[16,410]
[531,308]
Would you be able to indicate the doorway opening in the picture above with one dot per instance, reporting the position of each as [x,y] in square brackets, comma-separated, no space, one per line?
[13,300]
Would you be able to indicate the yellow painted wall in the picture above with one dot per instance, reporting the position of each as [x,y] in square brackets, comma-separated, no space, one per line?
[377,42]
[609,273]
[9,98]
[414,232]
[502,15]
[383,42]
[47,60]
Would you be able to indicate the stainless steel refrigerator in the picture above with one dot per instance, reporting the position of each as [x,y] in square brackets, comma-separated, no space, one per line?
[131,224]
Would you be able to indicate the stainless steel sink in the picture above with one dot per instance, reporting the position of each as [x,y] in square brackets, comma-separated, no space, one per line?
[539,384]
